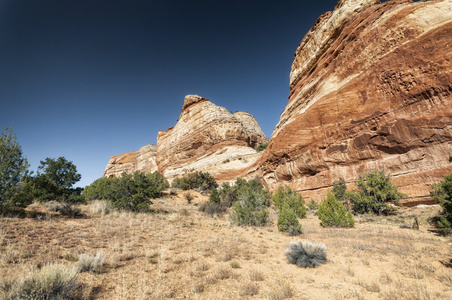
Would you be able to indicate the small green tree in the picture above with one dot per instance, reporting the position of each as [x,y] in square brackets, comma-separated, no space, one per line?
[288,221]
[286,196]
[333,214]
[214,196]
[13,170]
[442,192]
[250,207]
[375,192]
[339,188]
[54,181]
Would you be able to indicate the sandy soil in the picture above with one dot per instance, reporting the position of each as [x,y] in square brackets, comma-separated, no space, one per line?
[183,254]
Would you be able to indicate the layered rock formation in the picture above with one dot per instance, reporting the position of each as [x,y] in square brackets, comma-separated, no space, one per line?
[143,160]
[209,138]
[206,138]
[371,88]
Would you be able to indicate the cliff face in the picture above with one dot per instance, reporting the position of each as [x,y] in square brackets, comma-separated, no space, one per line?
[143,160]
[371,89]
[208,138]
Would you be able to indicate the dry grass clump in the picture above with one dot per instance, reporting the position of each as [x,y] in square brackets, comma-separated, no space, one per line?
[100,207]
[306,254]
[92,263]
[282,290]
[53,281]
[249,289]
[65,209]
[256,275]
[223,273]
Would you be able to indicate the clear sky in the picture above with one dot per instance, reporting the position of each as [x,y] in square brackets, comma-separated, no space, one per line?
[88,79]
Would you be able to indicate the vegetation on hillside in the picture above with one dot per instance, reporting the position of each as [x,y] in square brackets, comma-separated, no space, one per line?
[251,194]
[261,147]
[19,187]
[202,181]
[442,192]
[129,192]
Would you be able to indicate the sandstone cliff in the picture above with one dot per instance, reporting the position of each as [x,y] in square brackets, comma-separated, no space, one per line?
[143,160]
[209,138]
[206,138]
[371,89]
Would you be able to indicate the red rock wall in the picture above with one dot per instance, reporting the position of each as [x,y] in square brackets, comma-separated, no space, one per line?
[371,88]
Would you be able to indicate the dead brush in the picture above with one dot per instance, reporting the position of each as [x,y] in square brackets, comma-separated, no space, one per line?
[282,290]
[249,289]
[92,263]
[100,207]
[256,275]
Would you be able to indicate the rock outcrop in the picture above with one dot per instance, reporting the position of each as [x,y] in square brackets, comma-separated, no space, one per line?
[209,138]
[206,138]
[143,160]
[371,88]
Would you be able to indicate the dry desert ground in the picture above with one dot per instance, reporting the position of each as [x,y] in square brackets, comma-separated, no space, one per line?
[180,253]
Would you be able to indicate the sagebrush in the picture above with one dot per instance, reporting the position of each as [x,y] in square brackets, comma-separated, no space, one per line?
[53,281]
[306,254]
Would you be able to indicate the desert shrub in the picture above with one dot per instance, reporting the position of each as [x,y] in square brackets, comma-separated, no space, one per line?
[442,192]
[339,188]
[333,214]
[286,196]
[306,254]
[64,208]
[100,189]
[250,208]
[92,263]
[375,192]
[288,221]
[189,197]
[213,206]
[313,205]
[214,196]
[226,196]
[53,281]
[129,192]
[197,180]
[261,147]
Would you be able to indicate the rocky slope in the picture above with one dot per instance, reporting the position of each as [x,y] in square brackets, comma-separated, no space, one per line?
[143,160]
[371,89]
[206,138]
[209,138]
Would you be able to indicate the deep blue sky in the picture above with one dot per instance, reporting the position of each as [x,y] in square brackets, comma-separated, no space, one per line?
[88,79]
